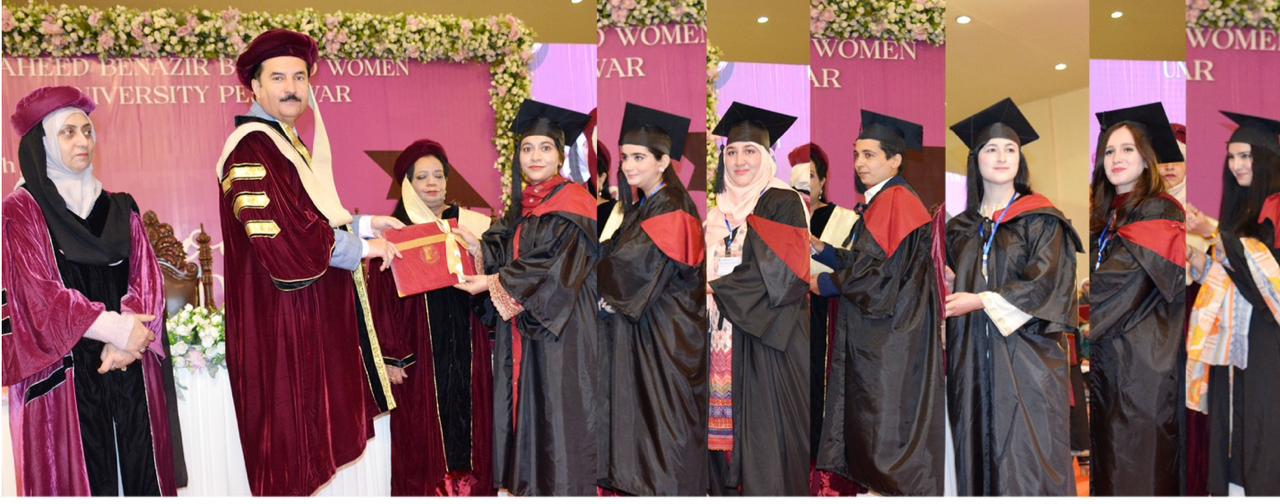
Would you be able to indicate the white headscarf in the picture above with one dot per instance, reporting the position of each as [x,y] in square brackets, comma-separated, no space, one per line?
[79,190]
[735,204]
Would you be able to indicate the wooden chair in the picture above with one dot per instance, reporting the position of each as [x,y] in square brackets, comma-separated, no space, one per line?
[193,284]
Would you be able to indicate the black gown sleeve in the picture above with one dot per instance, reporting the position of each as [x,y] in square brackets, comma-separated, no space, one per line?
[751,295]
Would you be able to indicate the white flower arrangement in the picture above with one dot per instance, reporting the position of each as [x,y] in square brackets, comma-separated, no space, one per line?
[898,20]
[197,339]
[504,42]
[610,13]
[1258,14]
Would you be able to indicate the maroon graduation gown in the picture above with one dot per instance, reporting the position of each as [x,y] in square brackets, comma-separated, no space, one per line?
[443,421]
[42,321]
[298,351]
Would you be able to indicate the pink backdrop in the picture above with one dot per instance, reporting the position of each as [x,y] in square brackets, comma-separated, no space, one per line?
[662,67]
[1233,70]
[905,80]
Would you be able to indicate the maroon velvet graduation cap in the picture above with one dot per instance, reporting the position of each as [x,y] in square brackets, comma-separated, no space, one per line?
[34,107]
[272,44]
[418,150]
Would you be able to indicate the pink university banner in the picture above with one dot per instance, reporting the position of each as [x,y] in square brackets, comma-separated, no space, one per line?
[905,79]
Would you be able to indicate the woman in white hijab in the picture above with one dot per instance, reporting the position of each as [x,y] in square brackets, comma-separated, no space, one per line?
[82,297]
[758,275]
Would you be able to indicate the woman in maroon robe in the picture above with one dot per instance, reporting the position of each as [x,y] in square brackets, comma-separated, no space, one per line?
[437,354]
[83,300]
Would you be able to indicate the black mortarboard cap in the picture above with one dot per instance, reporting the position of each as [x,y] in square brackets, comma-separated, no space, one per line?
[1001,120]
[674,130]
[1256,131]
[744,123]
[1154,121]
[876,126]
[537,118]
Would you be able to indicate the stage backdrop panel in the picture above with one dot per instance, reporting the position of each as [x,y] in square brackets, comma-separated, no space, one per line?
[904,79]
[777,87]
[662,67]
[1232,69]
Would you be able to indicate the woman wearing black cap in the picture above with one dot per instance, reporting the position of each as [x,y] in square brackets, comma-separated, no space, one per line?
[1240,292]
[654,340]
[757,270]
[1137,259]
[436,352]
[81,295]
[1013,256]
[539,270]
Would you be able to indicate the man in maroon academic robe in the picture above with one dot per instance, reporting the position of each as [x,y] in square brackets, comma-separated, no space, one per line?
[303,357]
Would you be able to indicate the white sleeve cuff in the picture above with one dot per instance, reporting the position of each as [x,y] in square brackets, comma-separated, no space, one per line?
[1007,318]
[364,248]
[364,227]
[111,327]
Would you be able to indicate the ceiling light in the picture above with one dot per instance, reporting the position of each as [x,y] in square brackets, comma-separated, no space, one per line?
[575,2]
[1117,15]
[964,20]
[762,19]
[1060,67]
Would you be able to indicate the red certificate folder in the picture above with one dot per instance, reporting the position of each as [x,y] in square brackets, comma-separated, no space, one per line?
[432,257]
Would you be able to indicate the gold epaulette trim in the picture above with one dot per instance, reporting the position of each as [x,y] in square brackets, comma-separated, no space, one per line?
[261,229]
[242,171]
[250,200]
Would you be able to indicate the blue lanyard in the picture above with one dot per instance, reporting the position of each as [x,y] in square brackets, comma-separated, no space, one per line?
[645,197]
[728,242]
[733,233]
[1103,240]
[986,248]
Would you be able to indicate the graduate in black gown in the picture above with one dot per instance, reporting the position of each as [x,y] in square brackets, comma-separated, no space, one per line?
[1137,256]
[1013,255]
[758,272]
[540,271]
[883,426]
[654,338]
[1244,417]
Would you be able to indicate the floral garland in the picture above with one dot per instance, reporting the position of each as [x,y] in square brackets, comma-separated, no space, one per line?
[1259,14]
[504,42]
[713,155]
[611,13]
[198,339]
[919,20]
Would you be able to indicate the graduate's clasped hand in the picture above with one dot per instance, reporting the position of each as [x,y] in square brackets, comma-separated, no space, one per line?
[959,303]
[120,358]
